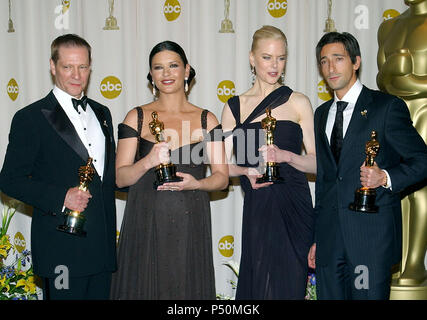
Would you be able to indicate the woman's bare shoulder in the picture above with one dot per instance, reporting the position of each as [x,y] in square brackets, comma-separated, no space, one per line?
[131,118]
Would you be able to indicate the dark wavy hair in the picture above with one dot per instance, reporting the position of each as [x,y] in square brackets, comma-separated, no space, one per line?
[170,46]
[348,40]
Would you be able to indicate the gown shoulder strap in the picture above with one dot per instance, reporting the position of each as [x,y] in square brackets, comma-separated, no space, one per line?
[234,104]
[140,120]
[204,119]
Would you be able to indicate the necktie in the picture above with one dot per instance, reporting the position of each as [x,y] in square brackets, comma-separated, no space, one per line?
[82,102]
[337,131]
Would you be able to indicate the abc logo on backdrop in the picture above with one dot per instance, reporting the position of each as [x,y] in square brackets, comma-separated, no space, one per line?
[390,14]
[12,89]
[323,91]
[111,87]
[277,8]
[19,242]
[172,9]
[225,90]
[226,246]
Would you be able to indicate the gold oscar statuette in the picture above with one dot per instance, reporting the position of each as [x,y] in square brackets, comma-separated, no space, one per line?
[74,220]
[329,23]
[65,5]
[226,24]
[364,198]
[10,28]
[111,21]
[165,172]
[271,168]
[402,61]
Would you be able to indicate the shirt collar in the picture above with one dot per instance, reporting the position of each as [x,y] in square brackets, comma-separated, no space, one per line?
[64,98]
[352,95]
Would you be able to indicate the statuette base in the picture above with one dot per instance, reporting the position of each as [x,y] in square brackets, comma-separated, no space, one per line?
[364,201]
[165,173]
[73,224]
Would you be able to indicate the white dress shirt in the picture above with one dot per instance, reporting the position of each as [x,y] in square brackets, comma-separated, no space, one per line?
[88,128]
[351,97]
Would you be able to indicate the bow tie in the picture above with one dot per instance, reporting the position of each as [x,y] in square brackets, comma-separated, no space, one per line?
[82,102]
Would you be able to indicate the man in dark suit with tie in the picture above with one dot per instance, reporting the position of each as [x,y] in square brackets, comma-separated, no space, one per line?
[49,141]
[354,251]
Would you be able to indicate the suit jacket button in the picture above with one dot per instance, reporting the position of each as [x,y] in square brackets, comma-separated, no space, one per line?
[340,178]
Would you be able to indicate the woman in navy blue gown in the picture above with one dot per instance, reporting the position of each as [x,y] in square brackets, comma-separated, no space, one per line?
[278,219]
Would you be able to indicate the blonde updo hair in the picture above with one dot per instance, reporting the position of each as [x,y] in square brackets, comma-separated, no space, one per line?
[268,32]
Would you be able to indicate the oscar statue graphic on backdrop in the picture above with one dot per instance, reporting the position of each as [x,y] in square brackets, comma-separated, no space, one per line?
[402,65]
[111,21]
[329,23]
[226,24]
[65,6]
[10,28]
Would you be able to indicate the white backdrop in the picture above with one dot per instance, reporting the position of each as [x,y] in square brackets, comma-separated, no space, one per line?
[120,65]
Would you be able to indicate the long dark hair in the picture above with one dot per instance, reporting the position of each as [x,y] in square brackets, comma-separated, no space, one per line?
[171,46]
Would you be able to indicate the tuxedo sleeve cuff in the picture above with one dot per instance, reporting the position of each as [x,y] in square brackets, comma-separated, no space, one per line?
[388,185]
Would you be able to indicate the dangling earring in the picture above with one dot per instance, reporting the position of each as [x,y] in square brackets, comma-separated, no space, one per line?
[283,77]
[186,85]
[253,75]
[154,88]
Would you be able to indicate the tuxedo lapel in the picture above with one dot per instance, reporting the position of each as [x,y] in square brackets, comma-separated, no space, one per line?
[105,129]
[357,123]
[58,119]
[323,117]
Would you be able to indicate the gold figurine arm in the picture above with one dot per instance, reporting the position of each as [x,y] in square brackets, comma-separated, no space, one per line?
[383,32]
[397,74]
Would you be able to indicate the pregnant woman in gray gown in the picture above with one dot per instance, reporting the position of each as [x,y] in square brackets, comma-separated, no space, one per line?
[165,245]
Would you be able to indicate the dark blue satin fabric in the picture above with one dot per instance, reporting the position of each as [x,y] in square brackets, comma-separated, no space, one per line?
[278,221]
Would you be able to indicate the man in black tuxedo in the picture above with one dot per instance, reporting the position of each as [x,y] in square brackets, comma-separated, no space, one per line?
[354,251]
[49,141]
